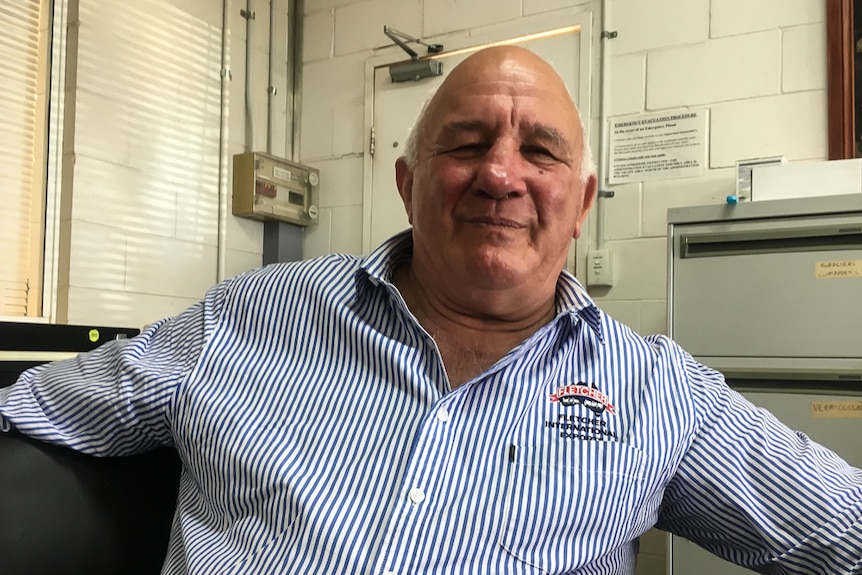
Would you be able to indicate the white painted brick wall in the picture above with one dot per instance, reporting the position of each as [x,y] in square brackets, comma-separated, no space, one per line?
[639,270]
[315,5]
[245,234]
[317,239]
[623,214]
[651,24]
[658,197]
[136,309]
[338,178]
[442,16]
[653,320]
[802,58]
[715,71]
[349,136]
[143,214]
[628,77]
[332,89]
[359,26]
[793,125]
[349,238]
[317,36]
[537,6]
[733,17]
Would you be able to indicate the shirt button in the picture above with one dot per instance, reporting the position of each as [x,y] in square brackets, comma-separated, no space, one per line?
[442,415]
[417,495]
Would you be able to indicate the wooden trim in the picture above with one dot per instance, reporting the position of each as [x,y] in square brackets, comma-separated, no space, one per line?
[840,55]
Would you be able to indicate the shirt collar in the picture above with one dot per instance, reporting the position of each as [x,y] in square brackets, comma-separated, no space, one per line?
[377,268]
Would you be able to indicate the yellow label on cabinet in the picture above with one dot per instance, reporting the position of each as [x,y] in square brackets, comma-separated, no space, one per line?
[833,269]
[838,409]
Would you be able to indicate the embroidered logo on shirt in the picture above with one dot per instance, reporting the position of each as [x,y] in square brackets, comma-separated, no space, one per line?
[589,397]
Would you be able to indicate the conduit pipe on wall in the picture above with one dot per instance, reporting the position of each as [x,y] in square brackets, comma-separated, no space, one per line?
[603,130]
[271,90]
[249,75]
[221,247]
[295,18]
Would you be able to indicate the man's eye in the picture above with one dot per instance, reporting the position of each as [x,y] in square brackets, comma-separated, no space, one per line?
[472,148]
[538,151]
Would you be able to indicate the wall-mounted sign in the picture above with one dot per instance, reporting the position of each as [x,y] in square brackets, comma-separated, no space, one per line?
[657,146]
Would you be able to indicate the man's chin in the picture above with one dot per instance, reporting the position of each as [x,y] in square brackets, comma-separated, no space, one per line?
[496,268]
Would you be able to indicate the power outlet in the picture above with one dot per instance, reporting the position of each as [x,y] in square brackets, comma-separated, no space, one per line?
[600,268]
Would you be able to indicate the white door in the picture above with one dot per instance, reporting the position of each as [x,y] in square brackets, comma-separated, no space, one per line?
[561,38]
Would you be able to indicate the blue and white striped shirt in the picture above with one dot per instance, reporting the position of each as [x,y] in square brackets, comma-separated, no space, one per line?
[319,435]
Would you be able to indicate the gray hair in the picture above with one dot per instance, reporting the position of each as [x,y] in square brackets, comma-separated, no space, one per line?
[411,146]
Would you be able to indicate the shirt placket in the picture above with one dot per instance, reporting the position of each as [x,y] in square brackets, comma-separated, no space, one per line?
[420,488]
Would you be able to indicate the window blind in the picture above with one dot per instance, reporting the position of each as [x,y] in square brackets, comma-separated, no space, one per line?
[23,77]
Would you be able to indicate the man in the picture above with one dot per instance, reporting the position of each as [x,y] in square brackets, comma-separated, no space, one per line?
[453,402]
[497,160]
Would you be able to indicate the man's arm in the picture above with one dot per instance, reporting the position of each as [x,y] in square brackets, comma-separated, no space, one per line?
[756,493]
[113,400]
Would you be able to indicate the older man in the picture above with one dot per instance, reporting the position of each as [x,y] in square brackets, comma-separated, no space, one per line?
[453,402]
[496,184]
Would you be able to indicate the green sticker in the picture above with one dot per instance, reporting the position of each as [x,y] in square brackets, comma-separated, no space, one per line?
[94,335]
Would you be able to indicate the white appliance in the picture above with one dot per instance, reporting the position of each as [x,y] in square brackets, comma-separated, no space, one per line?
[770,294]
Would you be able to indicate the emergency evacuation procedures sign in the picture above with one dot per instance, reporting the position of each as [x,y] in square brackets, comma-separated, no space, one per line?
[657,146]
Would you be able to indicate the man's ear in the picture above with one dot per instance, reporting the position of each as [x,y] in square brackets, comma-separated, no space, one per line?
[590,189]
[404,181]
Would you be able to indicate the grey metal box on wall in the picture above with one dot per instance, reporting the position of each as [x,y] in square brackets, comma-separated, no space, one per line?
[270,188]
[762,289]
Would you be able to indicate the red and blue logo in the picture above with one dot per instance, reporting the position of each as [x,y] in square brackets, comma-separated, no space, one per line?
[588,396]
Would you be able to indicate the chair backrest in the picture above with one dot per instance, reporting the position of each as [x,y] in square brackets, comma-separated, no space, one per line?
[63,512]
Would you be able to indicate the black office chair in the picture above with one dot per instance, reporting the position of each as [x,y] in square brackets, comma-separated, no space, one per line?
[66,513]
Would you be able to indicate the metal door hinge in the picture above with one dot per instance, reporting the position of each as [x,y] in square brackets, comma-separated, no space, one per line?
[372,142]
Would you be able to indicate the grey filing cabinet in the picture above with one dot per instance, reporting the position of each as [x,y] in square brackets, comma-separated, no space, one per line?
[770,294]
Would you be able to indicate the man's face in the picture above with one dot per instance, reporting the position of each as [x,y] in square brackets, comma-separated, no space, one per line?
[496,195]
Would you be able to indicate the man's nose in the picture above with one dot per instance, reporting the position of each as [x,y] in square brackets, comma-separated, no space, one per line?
[500,172]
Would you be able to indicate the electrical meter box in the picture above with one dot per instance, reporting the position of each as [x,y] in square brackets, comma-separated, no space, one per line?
[269,188]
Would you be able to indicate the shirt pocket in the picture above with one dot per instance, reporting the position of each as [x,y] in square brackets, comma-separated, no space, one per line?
[565,509]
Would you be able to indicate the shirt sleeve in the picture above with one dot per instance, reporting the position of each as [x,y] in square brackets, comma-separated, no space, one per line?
[759,494]
[116,399]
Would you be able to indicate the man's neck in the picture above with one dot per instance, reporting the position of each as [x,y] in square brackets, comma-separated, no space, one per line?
[469,343]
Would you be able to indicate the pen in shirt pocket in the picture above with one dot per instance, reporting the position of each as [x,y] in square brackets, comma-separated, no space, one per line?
[512,452]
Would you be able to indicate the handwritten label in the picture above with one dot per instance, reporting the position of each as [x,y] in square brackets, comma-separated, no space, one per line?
[838,409]
[833,269]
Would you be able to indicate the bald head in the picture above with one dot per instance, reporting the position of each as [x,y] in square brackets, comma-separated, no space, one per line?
[514,66]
